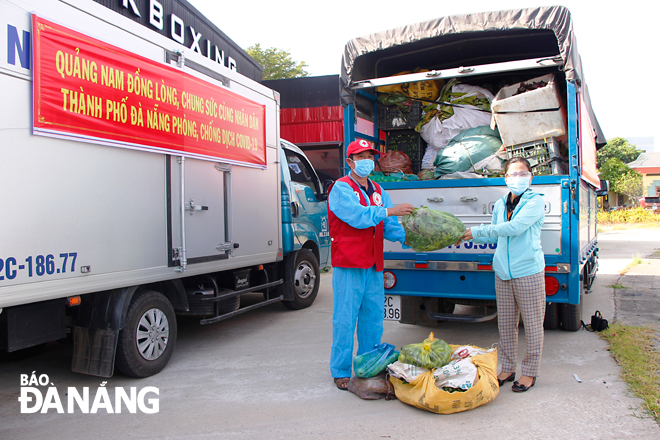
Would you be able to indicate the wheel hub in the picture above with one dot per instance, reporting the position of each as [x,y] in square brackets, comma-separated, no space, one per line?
[152,334]
[304,279]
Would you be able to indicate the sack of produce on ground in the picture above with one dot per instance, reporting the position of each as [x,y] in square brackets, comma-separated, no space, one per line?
[429,230]
[375,361]
[372,388]
[405,372]
[432,353]
[393,162]
[458,375]
[466,351]
[423,393]
[463,106]
[466,150]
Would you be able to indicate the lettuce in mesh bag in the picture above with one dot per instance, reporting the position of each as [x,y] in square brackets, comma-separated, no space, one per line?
[429,230]
[432,353]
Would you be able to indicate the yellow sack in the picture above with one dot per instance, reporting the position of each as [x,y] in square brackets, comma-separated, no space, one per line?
[429,89]
[423,393]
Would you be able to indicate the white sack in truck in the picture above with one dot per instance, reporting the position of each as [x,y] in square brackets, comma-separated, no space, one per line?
[438,133]
[531,115]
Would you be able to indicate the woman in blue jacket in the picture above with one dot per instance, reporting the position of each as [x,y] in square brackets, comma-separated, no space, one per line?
[519,268]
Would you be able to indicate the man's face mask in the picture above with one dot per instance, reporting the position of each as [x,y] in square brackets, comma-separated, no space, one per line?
[363,167]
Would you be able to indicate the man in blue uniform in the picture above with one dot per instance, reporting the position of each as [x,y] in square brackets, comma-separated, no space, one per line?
[360,216]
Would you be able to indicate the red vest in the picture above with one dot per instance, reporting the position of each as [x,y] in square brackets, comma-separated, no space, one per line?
[352,247]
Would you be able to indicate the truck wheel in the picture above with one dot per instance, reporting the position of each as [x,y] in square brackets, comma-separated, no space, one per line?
[571,314]
[551,321]
[146,342]
[304,278]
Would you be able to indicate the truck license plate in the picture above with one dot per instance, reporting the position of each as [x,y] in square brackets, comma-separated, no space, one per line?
[392,308]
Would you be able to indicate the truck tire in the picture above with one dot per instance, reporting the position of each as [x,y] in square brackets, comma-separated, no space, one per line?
[571,314]
[147,341]
[304,278]
[552,318]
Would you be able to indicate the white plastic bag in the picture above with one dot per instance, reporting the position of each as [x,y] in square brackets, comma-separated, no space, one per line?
[466,351]
[407,372]
[429,157]
[472,91]
[461,175]
[456,374]
[491,163]
[438,134]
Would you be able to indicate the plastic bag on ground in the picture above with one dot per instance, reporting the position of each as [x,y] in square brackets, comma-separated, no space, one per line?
[431,353]
[424,394]
[466,150]
[407,372]
[428,230]
[459,374]
[375,361]
[372,388]
[467,351]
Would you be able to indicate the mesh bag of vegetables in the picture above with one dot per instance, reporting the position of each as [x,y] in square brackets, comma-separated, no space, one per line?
[432,353]
[429,230]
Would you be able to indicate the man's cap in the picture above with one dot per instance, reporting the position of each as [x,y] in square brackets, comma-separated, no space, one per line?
[359,146]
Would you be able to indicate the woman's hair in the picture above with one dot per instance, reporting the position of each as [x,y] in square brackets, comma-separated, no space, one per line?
[521,160]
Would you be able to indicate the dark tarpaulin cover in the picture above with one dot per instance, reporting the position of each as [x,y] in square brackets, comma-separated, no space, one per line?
[549,18]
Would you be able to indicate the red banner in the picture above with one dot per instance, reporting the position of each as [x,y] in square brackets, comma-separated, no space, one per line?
[91,91]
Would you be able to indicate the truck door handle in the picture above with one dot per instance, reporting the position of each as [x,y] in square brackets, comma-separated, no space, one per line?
[190,206]
[435,199]
[468,199]
[294,209]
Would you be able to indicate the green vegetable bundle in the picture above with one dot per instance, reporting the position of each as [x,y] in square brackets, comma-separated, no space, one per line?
[429,230]
[432,353]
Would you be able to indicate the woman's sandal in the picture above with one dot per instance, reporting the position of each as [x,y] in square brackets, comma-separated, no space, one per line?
[511,378]
[342,383]
[520,388]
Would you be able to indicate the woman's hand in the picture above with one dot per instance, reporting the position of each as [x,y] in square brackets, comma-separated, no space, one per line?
[467,235]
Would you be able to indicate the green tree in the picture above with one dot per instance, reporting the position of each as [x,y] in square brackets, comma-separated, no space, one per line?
[622,179]
[631,185]
[619,148]
[277,63]
[613,169]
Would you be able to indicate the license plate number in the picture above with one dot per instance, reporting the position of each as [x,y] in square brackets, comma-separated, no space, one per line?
[392,308]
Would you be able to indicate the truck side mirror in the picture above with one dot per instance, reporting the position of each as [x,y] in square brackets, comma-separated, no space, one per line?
[326,188]
[604,188]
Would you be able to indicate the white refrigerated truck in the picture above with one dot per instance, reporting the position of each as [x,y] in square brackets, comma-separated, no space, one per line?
[142,176]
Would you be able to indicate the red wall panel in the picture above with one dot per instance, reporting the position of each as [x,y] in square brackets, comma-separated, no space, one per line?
[312,125]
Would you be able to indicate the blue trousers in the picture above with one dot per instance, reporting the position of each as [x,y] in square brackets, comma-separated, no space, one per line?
[359,299]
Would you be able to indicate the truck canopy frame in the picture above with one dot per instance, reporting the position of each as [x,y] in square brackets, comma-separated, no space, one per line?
[488,37]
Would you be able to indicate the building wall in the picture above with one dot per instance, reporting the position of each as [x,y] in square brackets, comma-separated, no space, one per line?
[651,183]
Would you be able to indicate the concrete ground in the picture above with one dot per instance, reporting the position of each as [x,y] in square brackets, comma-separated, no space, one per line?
[264,375]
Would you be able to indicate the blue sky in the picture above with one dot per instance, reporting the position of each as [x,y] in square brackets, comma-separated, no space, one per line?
[618,45]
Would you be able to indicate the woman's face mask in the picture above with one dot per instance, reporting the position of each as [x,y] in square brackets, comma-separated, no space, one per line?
[518,182]
[363,167]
